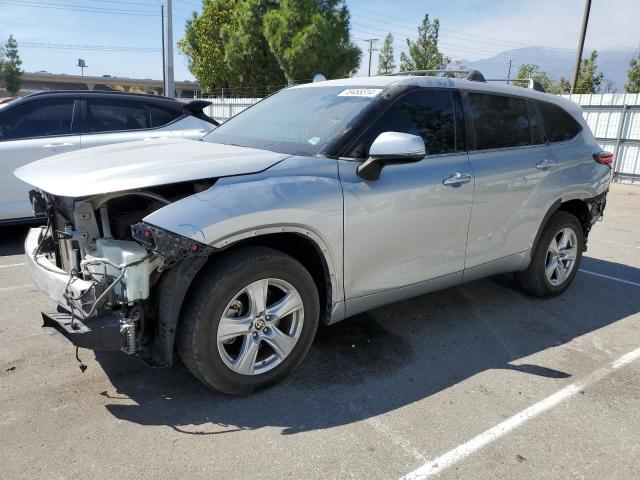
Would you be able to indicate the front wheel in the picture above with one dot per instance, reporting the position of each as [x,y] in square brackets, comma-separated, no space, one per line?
[250,321]
[555,261]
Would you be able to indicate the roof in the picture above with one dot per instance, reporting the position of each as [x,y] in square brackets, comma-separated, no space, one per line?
[66,78]
[94,93]
[440,82]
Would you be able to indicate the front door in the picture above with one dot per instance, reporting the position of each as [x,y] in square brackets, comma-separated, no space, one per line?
[409,226]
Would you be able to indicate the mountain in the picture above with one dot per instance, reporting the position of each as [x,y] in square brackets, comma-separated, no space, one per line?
[613,63]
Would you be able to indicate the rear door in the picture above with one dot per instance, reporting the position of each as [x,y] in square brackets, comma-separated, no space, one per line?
[107,121]
[29,132]
[511,163]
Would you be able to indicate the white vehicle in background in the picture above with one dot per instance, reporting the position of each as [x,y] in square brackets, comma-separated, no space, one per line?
[49,123]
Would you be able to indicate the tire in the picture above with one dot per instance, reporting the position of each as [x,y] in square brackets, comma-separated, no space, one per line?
[535,280]
[217,351]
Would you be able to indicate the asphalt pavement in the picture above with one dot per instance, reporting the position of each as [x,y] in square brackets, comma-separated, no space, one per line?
[479,381]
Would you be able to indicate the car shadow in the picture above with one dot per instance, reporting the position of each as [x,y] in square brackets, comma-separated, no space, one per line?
[13,240]
[382,360]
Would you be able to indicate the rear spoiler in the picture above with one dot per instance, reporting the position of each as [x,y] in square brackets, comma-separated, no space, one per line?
[196,108]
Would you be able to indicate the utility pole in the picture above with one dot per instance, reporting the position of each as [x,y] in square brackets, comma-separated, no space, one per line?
[372,42]
[164,77]
[583,33]
[509,72]
[169,89]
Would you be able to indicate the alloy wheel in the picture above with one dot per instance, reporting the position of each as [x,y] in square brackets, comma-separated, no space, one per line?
[561,256]
[260,327]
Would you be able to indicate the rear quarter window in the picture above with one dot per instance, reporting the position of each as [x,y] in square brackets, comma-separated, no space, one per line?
[559,126]
[161,115]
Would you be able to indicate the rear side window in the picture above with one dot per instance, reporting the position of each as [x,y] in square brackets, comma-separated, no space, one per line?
[161,116]
[37,119]
[502,122]
[117,115]
[559,126]
[429,114]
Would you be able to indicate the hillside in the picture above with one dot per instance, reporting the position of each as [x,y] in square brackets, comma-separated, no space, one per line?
[613,63]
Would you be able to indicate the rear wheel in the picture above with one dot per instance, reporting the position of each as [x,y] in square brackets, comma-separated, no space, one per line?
[250,321]
[556,259]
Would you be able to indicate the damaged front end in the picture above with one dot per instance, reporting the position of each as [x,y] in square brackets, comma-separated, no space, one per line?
[102,264]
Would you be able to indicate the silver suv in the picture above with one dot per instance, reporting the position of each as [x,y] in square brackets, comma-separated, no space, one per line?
[320,202]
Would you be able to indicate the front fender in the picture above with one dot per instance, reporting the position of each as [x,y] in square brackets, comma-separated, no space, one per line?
[300,194]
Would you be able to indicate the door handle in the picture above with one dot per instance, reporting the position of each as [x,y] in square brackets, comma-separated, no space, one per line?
[456,179]
[56,145]
[546,164]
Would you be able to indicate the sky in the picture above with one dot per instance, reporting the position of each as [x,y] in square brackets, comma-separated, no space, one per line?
[123,37]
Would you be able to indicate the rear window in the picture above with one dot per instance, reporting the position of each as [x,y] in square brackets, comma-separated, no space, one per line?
[559,126]
[37,119]
[501,121]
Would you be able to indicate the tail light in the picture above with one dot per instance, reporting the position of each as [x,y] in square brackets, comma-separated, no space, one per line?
[604,158]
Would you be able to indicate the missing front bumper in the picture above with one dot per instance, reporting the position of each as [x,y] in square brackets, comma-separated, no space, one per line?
[102,333]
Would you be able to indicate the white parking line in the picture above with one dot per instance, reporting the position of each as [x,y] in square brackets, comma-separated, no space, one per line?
[629,282]
[13,265]
[462,451]
[613,243]
[16,287]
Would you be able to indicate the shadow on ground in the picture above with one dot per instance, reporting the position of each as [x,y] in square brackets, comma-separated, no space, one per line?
[383,360]
[13,240]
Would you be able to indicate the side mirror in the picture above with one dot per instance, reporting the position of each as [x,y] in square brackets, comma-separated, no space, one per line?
[388,148]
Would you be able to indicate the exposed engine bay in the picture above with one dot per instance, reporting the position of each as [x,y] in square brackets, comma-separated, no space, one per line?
[112,259]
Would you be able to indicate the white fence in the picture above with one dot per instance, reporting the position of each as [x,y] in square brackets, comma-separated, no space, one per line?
[614,119]
[224,108]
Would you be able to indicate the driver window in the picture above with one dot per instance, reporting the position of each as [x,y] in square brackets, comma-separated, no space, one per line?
[37,119]
[429,114]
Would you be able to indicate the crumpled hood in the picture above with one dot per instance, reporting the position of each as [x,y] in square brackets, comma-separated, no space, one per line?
[145,163]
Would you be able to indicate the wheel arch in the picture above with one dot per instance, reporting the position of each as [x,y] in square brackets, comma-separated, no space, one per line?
[172,289]
[577,207]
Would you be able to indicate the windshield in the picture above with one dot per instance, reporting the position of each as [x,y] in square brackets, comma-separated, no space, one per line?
[296,121]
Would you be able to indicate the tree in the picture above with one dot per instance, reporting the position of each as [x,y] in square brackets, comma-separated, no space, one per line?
[259,45]
[203,44]
[530,70]
[423,53]
[247,55]
[311,36]
[386,60]
[589,80]
[11,71]
[633,85]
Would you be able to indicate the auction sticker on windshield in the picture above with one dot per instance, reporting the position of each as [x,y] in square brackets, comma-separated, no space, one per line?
[360,92]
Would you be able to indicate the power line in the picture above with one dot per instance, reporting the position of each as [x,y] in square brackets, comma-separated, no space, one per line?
[451,32]
[78,8]
[101,48]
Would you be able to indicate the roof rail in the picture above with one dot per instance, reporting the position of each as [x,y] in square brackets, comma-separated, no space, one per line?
[473,75]
[531,83]
[89,92]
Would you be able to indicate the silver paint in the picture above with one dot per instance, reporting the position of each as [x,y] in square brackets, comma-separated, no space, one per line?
[126,166]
